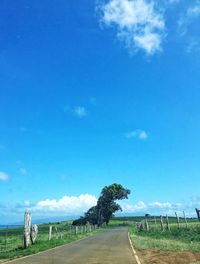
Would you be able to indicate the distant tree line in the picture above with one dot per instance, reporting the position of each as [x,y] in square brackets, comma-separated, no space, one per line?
[106,205]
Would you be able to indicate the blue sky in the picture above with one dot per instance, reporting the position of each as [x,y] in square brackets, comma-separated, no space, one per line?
[94,93]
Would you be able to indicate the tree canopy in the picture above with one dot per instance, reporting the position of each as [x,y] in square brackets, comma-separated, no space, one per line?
[106,205]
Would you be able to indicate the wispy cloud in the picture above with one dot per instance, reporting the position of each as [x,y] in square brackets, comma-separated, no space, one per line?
[141,134]
[194,11]
[3,176]
[158,208]
[23,171]
[80,111]
[139,23]
[188,17]
[193,45]
[173,1]
[188,27]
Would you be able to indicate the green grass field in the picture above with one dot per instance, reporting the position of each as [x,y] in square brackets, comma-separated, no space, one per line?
[11,240]
[177,239]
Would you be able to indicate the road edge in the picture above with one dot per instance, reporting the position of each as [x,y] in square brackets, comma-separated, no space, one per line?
[134,252]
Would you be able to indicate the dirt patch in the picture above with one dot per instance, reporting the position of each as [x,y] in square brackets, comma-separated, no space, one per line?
[168,257]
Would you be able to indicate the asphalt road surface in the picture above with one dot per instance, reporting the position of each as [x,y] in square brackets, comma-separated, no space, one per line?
[109,247]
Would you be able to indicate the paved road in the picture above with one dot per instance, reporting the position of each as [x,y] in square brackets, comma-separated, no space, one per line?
[109,247]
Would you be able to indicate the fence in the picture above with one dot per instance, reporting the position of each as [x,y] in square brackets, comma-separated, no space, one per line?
[164,223]
[13,238]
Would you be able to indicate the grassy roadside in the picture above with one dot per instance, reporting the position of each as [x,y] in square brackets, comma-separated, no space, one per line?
[13,247]
[174,240]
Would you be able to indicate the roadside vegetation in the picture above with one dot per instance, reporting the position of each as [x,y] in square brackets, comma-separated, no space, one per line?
[11,240]
[175,239]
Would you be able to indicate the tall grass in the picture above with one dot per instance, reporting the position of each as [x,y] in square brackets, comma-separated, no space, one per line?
[175,239]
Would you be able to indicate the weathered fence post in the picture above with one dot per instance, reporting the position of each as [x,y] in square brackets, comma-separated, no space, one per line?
[34,233]
[146,224]
[56,229]
[167,221]
[50,232]
[177,219]
[161,223]
[198,213]
[27,229]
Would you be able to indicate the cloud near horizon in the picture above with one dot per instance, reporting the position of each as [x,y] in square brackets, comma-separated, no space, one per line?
[77,205]
[139,24]
[67,204]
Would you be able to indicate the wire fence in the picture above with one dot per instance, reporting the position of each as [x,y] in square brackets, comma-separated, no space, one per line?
[13,238]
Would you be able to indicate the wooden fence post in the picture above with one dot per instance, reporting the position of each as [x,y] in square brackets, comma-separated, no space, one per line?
[27,229]
[34,233]
[198,213]
[161,223]
[146,224]
[56,229]
[177,219]
[50,232]
[167,221]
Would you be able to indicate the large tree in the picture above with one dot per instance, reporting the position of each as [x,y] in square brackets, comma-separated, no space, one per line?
[106,205]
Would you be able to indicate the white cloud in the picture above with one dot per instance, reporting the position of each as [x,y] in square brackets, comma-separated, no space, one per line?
[140,25]
[188,27]
[80,111]
[23,171]
[194,11]
[154,208]
[188,17]
[165,205]
[67,204]
[133,208]
[77,205]
[141,134]
[3,176]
